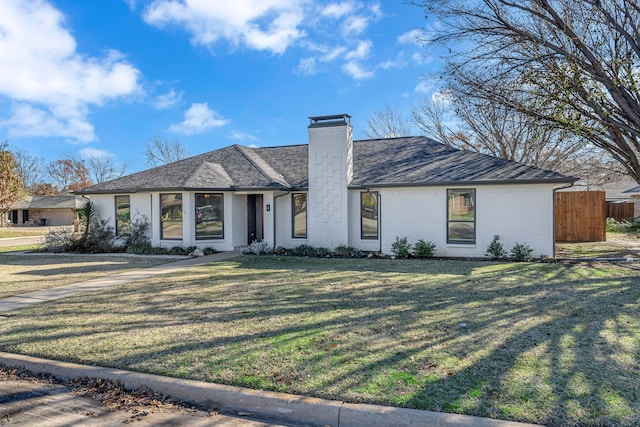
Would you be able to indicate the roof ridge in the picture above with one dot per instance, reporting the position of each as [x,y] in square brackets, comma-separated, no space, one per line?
[261,165]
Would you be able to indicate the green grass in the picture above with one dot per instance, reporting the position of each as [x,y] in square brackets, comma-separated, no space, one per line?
[20,274]
[6,232]
[7,249]
[544,343]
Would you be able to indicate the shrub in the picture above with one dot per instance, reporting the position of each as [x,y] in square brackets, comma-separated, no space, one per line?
[624,226]
[139,232]
[210,251]
[322,252]
[401,248]
[495,250]
[521,252]
[424,249]
[258,248]
[347,251]
[60,239]
[304,250]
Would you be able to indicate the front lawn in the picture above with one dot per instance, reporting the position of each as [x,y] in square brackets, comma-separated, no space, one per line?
[544,343]
[20,274]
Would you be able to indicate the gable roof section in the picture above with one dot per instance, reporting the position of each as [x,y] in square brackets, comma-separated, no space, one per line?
[422,161]
[407,161]
[67,201]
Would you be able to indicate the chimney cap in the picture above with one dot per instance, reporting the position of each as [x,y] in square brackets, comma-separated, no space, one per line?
[333,120]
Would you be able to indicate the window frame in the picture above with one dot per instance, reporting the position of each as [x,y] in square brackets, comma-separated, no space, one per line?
[162,221]
[293,216]
[450,221]
[375,196]
[118,220]
[196,222]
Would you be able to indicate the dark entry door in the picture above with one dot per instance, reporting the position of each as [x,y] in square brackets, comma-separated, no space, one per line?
[254,218]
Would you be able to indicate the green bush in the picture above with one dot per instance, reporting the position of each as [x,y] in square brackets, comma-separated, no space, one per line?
[401,248]
[424,249]
[303,250]
[624,226]
[495,250]
[322,252]
[521,252]
[210,251]
[347,252]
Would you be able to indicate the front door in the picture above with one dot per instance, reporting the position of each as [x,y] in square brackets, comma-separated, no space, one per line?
[254,218]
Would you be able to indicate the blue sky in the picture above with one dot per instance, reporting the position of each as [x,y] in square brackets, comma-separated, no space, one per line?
[101,78]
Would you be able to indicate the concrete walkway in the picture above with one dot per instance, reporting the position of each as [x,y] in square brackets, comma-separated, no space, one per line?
[24,300]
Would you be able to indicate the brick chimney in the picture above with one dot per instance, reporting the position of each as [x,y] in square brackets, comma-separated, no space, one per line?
[330,172]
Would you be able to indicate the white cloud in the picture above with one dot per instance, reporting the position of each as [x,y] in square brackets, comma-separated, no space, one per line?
[397,62]
[239,135]
[416,37]
[50,83]
[307,66]
[330,31]
[271,25]
[424,86]
[355,25]
[95,153]
[168,100]
[362,51]
[338,10]
[197,119]
[357,71]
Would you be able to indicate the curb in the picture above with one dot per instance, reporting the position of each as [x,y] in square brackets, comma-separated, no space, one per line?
[262,404]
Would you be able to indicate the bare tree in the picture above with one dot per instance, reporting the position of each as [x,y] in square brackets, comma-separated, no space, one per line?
[104,168]
[69,175]
[11,185]
[30,168]
[577,60]
[486,127]
[387,123]
[159,151]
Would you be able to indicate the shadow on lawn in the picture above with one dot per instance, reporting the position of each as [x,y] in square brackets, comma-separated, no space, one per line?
[550,344]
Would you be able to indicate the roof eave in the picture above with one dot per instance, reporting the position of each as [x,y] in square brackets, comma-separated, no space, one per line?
[569,180]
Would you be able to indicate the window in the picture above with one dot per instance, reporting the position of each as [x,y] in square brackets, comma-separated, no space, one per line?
[299,214]
[123,215]
[369,215]
[171,216]
[461,216]
[209,216]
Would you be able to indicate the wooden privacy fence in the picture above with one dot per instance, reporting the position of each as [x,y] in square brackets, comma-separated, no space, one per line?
[620,211]
[581,216]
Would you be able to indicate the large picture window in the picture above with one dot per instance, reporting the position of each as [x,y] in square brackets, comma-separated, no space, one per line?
[299,215]
[461,216]
[123,215]
[171,216]
[369,215]
[209,216]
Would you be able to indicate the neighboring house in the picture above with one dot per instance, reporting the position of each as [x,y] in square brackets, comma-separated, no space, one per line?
[622,190]
[46,210]
[634,195]
[336,191]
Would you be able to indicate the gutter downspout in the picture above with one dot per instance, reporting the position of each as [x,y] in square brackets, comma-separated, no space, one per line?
[380,222]
[275,217]
[554,215]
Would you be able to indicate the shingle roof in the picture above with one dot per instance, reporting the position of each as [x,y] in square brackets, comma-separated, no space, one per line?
[67,201]
[403,161]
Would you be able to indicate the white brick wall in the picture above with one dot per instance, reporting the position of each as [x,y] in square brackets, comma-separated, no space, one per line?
[330,171]
[517,213]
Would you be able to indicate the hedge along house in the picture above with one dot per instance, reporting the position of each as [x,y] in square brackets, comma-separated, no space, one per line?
[336,191]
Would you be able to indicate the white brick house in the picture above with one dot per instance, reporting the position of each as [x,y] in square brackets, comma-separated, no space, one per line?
[336,191]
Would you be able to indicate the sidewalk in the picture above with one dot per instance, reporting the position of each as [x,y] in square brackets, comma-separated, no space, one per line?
[24,300]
